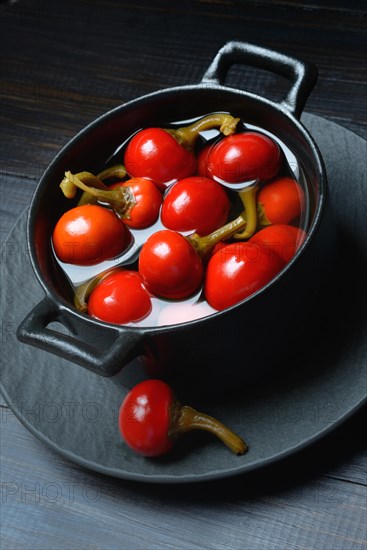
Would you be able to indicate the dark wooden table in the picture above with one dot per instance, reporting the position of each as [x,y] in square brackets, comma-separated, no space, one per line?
[63,63]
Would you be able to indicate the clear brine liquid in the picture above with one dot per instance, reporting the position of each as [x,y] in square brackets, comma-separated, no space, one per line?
[169,312]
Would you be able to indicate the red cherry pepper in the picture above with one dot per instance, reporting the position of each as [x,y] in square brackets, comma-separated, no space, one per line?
[170,266]
[89,234]
[151,419]
[195,204]
[280,201]
[165,155]
[283,239]
[238,270]
[241,158]
[148,200]
[137,201]
[244,157]
[120,298]
[156,154]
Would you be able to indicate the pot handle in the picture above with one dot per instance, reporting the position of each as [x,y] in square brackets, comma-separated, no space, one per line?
[303,75]
[33,330]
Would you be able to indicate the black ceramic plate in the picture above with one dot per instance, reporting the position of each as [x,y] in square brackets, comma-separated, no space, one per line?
[75,411]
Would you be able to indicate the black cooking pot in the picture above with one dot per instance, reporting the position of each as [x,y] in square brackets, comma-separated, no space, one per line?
[228,347]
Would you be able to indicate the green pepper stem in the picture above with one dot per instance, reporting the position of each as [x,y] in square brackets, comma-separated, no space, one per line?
[248,198]
[83,291]
[187,419]
[69,189]
[116,171]
[187,135]
[120,198]
[203,245]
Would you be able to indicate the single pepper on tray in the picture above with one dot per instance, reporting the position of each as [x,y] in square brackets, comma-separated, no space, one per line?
[151,419]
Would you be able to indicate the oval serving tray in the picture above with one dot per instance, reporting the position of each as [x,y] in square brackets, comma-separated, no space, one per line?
[75,411]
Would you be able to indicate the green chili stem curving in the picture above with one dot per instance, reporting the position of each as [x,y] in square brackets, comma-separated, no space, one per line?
[120,198]
[69,189]
[203,245]
[115,171]
[248,198]
[187,135]
[186,419]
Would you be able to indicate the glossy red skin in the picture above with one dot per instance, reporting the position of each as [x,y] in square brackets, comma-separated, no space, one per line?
[144,418]
[88,235]
[120,298]
[283,239]
[244,157]
[170,266]
[238,270]
[154,153]
[195,204]
[282,200]
[148,200]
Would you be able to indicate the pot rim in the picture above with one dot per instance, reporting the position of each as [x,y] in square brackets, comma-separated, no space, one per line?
[280,108]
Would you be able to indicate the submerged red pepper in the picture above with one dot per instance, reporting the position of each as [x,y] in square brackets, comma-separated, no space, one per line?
[89,234]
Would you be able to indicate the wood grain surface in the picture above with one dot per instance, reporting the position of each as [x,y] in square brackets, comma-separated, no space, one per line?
[62,65]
